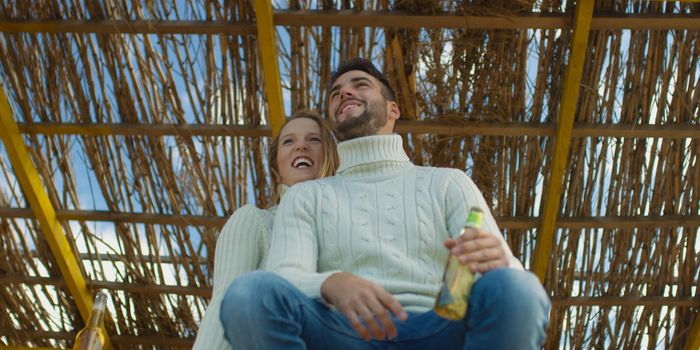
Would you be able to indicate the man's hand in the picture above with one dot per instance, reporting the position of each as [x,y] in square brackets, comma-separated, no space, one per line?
[365,304]
[480,250]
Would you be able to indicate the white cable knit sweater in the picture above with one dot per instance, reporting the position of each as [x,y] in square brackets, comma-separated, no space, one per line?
[381,218]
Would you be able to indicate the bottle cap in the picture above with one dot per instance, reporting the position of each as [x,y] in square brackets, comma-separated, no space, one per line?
[476,217]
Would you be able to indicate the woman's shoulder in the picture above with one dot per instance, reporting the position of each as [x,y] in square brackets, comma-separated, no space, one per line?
[248,214]
[248,209]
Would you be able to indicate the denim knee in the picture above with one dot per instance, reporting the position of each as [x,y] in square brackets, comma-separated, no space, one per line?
[514,291]
[242,299]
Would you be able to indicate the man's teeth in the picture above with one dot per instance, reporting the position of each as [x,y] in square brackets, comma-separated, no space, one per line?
[349,106]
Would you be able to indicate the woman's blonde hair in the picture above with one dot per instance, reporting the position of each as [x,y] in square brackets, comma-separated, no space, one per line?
[330,152]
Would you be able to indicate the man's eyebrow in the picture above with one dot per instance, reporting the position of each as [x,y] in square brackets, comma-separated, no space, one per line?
[354,80]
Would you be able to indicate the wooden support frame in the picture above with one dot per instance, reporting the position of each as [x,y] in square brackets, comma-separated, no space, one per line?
[270,66]
[466,128]
[562,138]
[350,18]
[509,223]
[43,210]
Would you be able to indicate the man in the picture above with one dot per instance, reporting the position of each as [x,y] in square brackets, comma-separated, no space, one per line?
[361,254]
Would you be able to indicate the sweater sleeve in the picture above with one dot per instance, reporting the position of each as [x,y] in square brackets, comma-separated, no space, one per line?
[237,252]
[462,194]
[294,247]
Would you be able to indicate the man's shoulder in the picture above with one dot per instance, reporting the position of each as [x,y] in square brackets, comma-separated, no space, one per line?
[439,171]
[307,189]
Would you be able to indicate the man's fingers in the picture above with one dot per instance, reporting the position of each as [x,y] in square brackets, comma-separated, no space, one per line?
[376,330]
[367,312]
[470,233]
[475,244]
[393,305]
[358,326]
[482,255]
[489,265]
[382,315]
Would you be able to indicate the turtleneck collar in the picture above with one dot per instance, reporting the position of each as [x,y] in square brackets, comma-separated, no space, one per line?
[372,155]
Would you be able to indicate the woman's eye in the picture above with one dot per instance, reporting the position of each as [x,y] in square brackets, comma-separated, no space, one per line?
[315,139]
[287,141]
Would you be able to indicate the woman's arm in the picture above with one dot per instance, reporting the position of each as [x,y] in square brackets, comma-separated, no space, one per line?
[237,252]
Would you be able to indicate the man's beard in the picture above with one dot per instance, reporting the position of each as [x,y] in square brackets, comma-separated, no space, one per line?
[366,124]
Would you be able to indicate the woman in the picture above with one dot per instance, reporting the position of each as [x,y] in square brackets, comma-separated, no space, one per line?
[305,149]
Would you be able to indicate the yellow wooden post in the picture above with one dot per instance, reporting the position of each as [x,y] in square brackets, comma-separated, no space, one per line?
[44,211]
[270,65]
[693,342]
[562,138]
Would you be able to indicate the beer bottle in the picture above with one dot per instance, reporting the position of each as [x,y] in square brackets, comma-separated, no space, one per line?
[93,336]
[452,300]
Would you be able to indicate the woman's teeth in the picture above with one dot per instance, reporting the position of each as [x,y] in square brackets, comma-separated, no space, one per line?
[302,162]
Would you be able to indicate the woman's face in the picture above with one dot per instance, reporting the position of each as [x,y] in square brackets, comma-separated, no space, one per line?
[300,151]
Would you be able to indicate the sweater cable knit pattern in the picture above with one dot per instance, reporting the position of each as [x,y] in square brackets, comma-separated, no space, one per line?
[381,218]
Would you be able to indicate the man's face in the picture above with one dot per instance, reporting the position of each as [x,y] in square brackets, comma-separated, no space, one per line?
[357,107]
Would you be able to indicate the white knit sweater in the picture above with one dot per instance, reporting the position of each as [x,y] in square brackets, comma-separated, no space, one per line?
[242,246]
[381,218]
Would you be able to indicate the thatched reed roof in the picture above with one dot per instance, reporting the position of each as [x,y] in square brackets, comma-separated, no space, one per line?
[147,125]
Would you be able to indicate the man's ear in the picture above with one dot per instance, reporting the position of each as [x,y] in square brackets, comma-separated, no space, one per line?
[394,111]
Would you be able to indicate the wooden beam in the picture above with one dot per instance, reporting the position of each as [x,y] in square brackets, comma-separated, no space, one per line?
[14,347]
[399,19]
[35,194]
[117,217]
[562,139]
[508,223]
[603,222]
[628,301]
[351,18]
[185,130]
[124,26]
[267,44]
[465,128]
[161,341]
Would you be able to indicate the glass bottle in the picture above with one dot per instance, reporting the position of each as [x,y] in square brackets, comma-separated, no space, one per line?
[453,298]
[93,336]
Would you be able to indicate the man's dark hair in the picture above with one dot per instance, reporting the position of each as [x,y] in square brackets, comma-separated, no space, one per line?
[365,65]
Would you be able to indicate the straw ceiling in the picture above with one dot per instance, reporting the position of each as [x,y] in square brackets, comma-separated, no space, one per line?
[147,125]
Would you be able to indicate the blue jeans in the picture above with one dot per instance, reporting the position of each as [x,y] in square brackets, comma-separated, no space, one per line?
[508,309]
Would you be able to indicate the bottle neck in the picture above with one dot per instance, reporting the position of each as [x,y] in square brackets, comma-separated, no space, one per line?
[98,311]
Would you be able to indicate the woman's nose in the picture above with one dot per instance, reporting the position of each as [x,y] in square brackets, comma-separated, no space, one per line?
[303,145]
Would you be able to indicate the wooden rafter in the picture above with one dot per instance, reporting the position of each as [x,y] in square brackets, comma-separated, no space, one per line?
[131,27]
[43,210]
[348,18]
[270,66]
[466,128]
[517,223]
[562,139]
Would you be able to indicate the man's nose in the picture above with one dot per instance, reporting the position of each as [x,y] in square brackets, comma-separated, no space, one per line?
[346,92]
